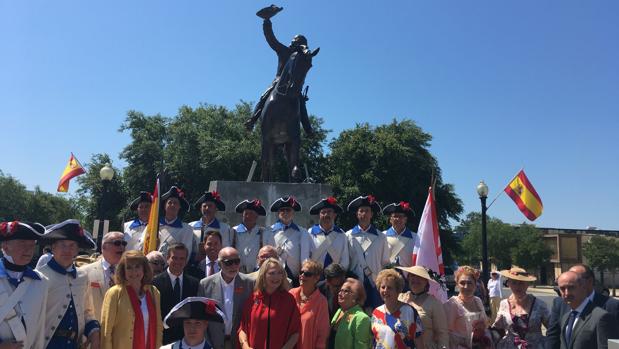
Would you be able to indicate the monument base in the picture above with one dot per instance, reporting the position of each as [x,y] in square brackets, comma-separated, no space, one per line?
[307,194]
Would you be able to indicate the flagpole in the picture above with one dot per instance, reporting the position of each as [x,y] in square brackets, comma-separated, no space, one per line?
[503,191]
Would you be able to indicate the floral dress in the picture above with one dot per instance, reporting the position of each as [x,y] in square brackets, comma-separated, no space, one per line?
[397,330]
[522,330]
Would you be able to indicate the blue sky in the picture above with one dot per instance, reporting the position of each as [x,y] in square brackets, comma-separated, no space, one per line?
[499,85]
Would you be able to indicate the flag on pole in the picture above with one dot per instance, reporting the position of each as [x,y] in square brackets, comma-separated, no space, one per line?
[524,195]
[151,234]
[73,169]
[428,253]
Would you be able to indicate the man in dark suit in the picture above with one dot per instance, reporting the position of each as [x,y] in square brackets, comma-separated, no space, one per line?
[230,289]
[585,326]
[560,308]
[174,285]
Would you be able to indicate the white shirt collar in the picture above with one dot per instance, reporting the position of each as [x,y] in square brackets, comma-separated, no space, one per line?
[199,346]
[173,277]
[582,305]
[224,281]
[105,264]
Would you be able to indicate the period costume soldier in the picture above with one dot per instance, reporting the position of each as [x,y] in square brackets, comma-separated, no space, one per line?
[400,240]
[291,241]
[23,291]
[171,228]
[192,313]
[134,230]
[248,237]
[69,314]
[209,204]
[369,251]
[329,243]
[299,43]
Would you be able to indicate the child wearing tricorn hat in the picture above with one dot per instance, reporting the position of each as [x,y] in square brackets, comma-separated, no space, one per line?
[369,251]
[134,230]
[194,314]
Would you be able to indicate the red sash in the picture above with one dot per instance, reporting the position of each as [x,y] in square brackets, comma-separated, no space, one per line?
[139,342]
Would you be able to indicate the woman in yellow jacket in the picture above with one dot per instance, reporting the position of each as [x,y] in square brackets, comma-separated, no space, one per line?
[131,314]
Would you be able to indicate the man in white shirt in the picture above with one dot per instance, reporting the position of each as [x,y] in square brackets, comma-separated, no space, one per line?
[209,204]
[248,237]
[495,293]
[230,289]
[401,241]
[171,228]
[329,243]
[134,230]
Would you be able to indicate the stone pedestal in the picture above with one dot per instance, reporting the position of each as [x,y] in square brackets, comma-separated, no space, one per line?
[307,194]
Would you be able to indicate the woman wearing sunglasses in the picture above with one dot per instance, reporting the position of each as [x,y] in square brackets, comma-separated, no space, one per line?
[312,306]
[271,318]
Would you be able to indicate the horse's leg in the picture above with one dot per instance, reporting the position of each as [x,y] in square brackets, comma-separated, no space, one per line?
[265,161]
[293,159]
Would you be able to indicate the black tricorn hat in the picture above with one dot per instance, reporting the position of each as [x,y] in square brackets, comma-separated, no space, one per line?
[17,230]
[286,201]
[210,196]
[399,207]
[197,308]
[69,230]
[368,200]
[174,192]
[255,205]
[328,202]
[144,197]
[268,12]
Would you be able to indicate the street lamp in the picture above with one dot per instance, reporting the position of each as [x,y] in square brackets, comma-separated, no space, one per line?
[106,174]
[482,191]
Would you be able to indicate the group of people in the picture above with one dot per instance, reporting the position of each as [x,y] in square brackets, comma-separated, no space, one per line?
[213,286]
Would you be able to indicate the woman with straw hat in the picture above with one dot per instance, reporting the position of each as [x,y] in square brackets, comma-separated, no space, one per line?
[521,315]
[430,310]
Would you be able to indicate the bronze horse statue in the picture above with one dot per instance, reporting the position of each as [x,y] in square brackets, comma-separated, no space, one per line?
[281,115]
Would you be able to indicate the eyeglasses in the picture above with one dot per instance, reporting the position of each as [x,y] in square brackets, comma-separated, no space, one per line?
[344,291]
[231,262]
[117,243]
[306,273]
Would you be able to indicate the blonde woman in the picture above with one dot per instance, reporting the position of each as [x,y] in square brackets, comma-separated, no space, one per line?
[431,312]
[131,315]
[271,318]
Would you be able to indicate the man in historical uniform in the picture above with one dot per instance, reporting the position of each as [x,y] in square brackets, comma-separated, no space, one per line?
[248,237]
[291,241]
[369,251]
[171,228]
[134,230]
[299,43]
[209,204]
[329,243]
[101,272]
[400,240]
[193,315]
[69,314]
[23,291]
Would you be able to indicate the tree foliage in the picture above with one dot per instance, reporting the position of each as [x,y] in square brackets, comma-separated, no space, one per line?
[602,253]
[393,163]
[18,203]
[508,245]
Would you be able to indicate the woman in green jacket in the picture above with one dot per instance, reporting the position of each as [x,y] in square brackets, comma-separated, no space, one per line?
[350,326]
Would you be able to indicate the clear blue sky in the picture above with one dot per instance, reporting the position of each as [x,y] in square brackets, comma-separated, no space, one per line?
[499,85]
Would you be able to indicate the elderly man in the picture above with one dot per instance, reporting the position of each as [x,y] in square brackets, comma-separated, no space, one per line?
[230,289]
[401,241]
[174,285]
[248,237]
[101,273]
[369,251]
[69,314]
[171,228]
[23,291]
[156,260]
[291,241]
[585,326]
[329,243]
[134,230]
[560,308]
[209,204]
[265,253]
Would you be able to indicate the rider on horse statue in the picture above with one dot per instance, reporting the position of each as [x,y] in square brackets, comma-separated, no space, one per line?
[298,44]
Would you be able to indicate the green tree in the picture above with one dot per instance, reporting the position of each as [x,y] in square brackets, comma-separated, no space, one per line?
[393,163]
[602,253]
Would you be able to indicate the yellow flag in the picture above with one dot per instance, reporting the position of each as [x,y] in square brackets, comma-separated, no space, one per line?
[73,169]
[524,195]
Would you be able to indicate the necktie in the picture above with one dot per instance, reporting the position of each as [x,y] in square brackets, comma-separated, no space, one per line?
[570,324]
[211,268]
[112,269]
[176,291]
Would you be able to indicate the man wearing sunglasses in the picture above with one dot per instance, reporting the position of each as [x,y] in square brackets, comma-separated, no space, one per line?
[101,272]
[230,289]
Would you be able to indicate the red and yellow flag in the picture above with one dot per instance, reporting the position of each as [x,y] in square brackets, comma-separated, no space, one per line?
[151,234]
[524,195]
[73,169]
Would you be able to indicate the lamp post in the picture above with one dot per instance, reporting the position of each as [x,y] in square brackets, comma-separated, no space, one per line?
[482,191]
[106,174]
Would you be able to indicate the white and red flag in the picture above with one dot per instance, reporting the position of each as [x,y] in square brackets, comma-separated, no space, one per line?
[428,253]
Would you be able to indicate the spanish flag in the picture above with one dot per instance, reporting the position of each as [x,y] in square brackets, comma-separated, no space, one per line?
[524,195]
[73,169]
[152,228]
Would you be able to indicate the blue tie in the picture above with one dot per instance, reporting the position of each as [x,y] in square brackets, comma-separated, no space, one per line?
[570,325]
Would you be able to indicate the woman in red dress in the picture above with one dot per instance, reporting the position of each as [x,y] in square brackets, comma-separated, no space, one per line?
[271,317]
